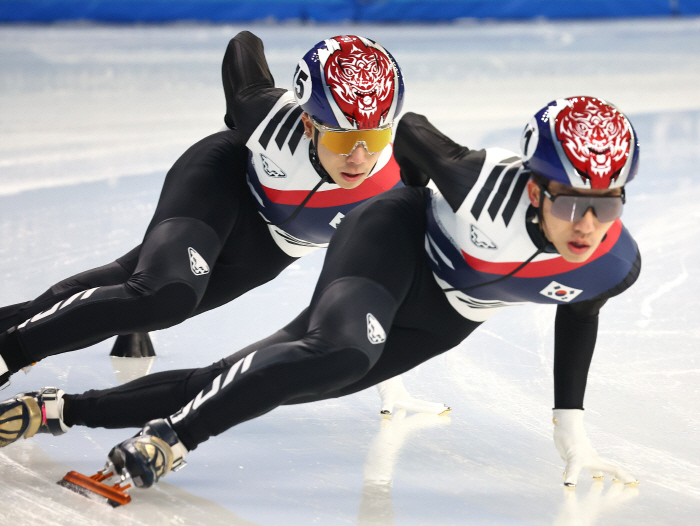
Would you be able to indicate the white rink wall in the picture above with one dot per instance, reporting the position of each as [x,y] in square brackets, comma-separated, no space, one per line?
[91,118]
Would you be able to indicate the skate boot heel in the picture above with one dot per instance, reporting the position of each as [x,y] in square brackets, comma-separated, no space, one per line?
[4,375]
[179,465]
[30,413]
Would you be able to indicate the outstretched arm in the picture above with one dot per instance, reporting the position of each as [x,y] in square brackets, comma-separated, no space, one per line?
[575,333]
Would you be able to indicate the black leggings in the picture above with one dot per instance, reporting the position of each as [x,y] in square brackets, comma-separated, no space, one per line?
[205,246]
[376,313]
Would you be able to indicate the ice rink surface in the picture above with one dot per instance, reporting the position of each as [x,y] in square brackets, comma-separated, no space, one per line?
[92,117]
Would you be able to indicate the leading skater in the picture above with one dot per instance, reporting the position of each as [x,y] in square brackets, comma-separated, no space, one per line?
[310,157]
[409,275]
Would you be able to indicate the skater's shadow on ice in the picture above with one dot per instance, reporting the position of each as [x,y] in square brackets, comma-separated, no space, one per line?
[30,496]
[587,510]
[376,507]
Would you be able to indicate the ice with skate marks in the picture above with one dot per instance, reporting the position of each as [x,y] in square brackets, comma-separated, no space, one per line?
[666,287]
[376,507]
[29,475]
[576,510]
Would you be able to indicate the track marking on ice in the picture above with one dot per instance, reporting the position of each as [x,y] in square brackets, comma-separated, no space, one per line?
[143,145]
[497,394]
[665,373]
[651,465]
[645,307]
[25,501]
[509,342]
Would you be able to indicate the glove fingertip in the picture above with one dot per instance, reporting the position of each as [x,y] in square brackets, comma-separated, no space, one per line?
[597,475]
[571,475]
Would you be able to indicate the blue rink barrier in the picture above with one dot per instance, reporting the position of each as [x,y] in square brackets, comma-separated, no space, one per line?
[332,10]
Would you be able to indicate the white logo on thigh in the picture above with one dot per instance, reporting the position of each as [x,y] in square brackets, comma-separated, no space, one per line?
[560,292]
[375,331]
[197,264]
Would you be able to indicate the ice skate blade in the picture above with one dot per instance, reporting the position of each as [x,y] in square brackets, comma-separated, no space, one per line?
[93,488]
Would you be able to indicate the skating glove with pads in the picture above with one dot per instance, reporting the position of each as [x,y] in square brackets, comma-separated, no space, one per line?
[576,450]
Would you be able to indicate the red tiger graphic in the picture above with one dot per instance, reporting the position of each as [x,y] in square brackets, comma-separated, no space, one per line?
[361,79]
[596,139]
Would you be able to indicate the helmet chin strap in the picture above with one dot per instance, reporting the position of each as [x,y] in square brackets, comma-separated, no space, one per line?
[313,158]
[540,208]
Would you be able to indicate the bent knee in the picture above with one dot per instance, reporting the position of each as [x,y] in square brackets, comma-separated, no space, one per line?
[171,304]
[353,312]
[335,369]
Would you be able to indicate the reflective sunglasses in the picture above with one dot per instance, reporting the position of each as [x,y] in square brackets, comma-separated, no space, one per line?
[344,142]
[572,208]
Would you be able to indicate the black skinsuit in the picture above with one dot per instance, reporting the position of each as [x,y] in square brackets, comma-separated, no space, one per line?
[377,312]
[205,205]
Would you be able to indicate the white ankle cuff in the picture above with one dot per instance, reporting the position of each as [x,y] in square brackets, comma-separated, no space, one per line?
[60,410]
[179,450]
[3,366]
[54,409]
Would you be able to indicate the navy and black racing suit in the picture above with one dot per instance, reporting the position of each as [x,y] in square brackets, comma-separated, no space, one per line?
[235,209]
[408,275]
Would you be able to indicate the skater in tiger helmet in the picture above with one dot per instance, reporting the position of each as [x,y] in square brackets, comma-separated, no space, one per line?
[239,206]
[412,273]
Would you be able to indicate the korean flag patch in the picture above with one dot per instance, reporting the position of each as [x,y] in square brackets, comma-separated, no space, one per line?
[560,292]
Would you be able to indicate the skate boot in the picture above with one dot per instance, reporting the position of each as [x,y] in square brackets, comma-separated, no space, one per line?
[33,412]
[4,374]
[150,455]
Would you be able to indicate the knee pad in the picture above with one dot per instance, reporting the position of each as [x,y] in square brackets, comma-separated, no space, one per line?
[353,312]
[180,250]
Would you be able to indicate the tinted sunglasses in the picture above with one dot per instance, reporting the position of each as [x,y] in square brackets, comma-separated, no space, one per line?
[344,142]
[573,207]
